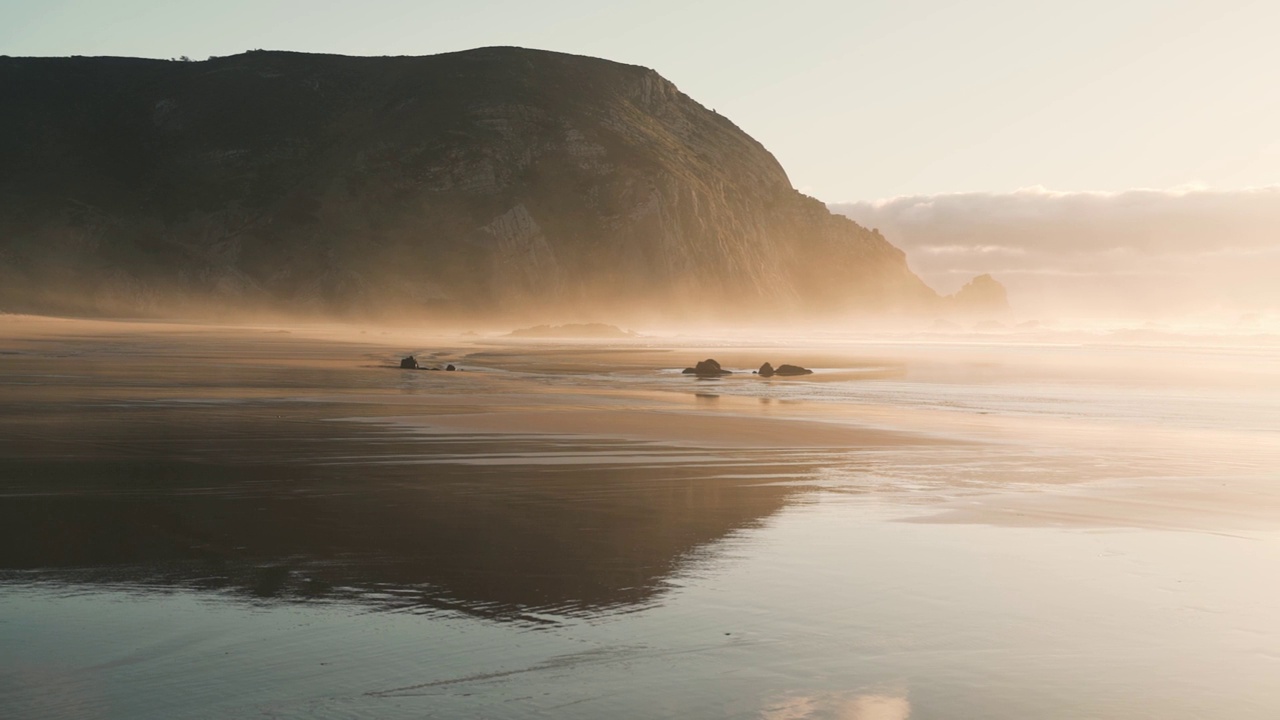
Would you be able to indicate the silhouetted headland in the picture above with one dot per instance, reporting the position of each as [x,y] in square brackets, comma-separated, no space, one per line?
[486,181]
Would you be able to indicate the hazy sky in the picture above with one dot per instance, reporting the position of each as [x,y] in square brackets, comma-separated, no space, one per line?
[1213,255]
[859,100]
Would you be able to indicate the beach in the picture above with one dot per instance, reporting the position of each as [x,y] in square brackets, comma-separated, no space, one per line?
[203,520]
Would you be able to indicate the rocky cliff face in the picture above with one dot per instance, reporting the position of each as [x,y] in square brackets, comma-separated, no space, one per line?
[484,180]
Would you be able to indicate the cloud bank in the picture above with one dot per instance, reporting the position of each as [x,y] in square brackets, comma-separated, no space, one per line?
[1153,254]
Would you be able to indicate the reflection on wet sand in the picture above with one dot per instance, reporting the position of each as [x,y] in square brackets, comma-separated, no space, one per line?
[213,474]
[501,541]
[277,467]
[209,523]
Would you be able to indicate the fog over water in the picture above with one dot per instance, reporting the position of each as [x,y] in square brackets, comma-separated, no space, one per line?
[1187,255]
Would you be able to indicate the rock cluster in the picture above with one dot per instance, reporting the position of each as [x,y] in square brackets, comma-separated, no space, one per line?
[711,368]
[767,370]
[411,363]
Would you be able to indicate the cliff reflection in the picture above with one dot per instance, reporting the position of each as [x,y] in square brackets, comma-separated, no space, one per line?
[557,528]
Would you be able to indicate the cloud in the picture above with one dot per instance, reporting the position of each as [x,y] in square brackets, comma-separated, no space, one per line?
[1137,253]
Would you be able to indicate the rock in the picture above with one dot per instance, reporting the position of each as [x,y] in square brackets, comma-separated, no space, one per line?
[767,370]
[450,368]
[982,296]
[707,367]
[792,370]
[409,363]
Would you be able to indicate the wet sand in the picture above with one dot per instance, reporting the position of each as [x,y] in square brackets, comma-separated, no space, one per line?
[210,521]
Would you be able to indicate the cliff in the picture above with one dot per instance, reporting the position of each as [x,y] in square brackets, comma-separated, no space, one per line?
[478,181]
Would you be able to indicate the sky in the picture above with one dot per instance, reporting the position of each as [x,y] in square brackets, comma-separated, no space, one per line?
[860,101]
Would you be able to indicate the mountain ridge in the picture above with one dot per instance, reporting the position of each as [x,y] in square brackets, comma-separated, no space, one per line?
[478,181]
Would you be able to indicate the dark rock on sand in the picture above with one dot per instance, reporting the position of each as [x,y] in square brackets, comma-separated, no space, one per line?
[450,368]
[409,363]
[792,370]
[707,367]
[766,370]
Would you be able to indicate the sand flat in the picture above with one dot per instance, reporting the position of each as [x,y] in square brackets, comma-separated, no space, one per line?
[240,520]
[722,427]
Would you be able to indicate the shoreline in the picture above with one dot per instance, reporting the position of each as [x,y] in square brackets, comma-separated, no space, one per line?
[586,391]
